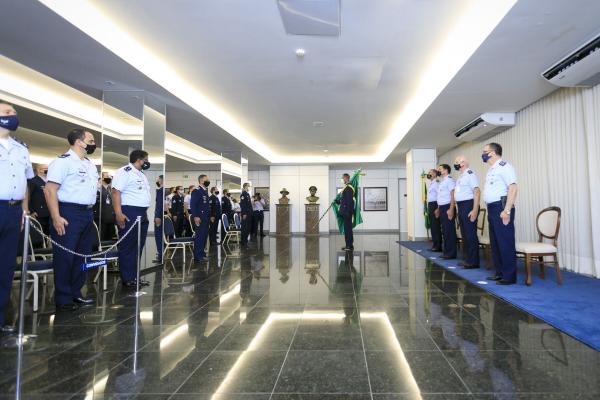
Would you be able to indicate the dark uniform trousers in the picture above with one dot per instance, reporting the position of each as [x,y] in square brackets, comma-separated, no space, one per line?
[10,227]
[258,218]
[436,228]
[449,232]
[213,228]
[246,224]
[128,247]
[200,238]
[468,231]
[158,239]
[69,276]
[348,234]
[179,224]
[502,242]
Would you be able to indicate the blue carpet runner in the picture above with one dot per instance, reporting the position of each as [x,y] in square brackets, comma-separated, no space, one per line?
[573,307]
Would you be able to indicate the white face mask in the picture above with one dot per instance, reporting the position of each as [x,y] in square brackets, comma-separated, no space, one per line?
[343,181]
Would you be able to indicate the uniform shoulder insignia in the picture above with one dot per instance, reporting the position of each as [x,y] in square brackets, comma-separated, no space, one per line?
[66,155]
[128,168]
[469,171]
[22,143]
[503,163]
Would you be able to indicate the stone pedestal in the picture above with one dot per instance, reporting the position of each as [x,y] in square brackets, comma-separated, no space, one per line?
[312,219]
[282,218]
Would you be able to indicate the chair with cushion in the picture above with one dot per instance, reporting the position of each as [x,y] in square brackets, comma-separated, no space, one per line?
[238,221]
[483,234]
[229,232]
[548,227]
[174,243]
[38,242]
[111,256]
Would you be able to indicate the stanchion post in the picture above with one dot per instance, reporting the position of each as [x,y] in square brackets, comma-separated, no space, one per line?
[138,221]
[21,338]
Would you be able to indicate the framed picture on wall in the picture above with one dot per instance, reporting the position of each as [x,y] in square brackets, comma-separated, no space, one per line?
[375,199]
[264,194]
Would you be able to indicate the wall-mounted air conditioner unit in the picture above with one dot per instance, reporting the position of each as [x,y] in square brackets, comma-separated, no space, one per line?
[485,126]
[580,68]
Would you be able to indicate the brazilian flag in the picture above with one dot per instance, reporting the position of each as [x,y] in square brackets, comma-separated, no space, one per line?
[357,217]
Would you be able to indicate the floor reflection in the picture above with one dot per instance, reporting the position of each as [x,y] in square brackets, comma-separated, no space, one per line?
[295,317]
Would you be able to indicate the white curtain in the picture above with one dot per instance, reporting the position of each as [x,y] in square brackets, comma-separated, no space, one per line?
[555,149]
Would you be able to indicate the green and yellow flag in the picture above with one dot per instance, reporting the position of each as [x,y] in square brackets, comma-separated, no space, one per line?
[424,199]
[357,217]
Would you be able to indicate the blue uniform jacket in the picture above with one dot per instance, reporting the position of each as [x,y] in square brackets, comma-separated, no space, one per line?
[347,201]
[215,206]
[199,204]
[160,203]
[245,203]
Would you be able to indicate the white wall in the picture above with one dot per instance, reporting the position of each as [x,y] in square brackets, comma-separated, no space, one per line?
[417,162]
[188,178]
[555,149]
[372,220]
[297,179]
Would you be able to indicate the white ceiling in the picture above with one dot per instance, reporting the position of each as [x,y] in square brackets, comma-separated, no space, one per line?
[238,53]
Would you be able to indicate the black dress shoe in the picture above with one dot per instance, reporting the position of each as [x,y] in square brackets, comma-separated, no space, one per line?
[66,307]
[434,249]
[448,258]
[347,248]
[7,329]
[494,278]
[462,264]
[144,283]
[505,282]
[470,266]
[130,284]
[83,301]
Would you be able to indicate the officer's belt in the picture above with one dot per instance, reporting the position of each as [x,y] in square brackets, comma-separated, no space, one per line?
[11,203]
[463,201]
[77,206]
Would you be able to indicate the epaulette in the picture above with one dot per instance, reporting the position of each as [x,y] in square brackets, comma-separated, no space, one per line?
[351,187]
[502,163]
[22,143]
[64,155]
[469,172]
[128,168]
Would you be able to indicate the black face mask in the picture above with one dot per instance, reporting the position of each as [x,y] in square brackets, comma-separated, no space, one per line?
[90,148]
[206,183]
[217,193]
[45,172]
[438,173]
[429,176]
[146,165]
[457,167]
[157,184]
[107,181]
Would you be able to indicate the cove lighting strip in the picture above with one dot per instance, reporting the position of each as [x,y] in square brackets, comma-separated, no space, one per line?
[472,26]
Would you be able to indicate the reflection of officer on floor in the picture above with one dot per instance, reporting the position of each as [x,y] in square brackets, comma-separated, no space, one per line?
[131,199]
[15,169]
[71,194]
[347,205]
[215,214]
[37,199]
[200,207]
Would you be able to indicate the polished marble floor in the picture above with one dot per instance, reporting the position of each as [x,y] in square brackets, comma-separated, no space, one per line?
[297,318]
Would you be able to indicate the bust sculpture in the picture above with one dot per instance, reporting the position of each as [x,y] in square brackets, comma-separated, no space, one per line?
[284,199]
[312,199]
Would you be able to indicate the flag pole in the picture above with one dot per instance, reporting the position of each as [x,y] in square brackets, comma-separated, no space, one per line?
[322,216]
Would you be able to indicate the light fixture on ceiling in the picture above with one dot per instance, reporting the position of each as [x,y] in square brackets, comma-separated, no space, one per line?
[318,124]
[109,83]
[300,53]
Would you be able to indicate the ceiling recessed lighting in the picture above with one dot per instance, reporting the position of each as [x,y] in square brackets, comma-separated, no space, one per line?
[318,124]
[300,52]
[325,151]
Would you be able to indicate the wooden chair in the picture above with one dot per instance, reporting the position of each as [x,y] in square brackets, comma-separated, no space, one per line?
[548,227]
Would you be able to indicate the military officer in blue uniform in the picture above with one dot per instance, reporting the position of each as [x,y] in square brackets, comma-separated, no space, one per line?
[215,214]
[500,193]
[131,199]
[247,212]
[159,208]
[226,207]
[15,168]
[445,211]
[200,208]
[70,195]
[178,211]
[347,211]
[432,205]
[467,195]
